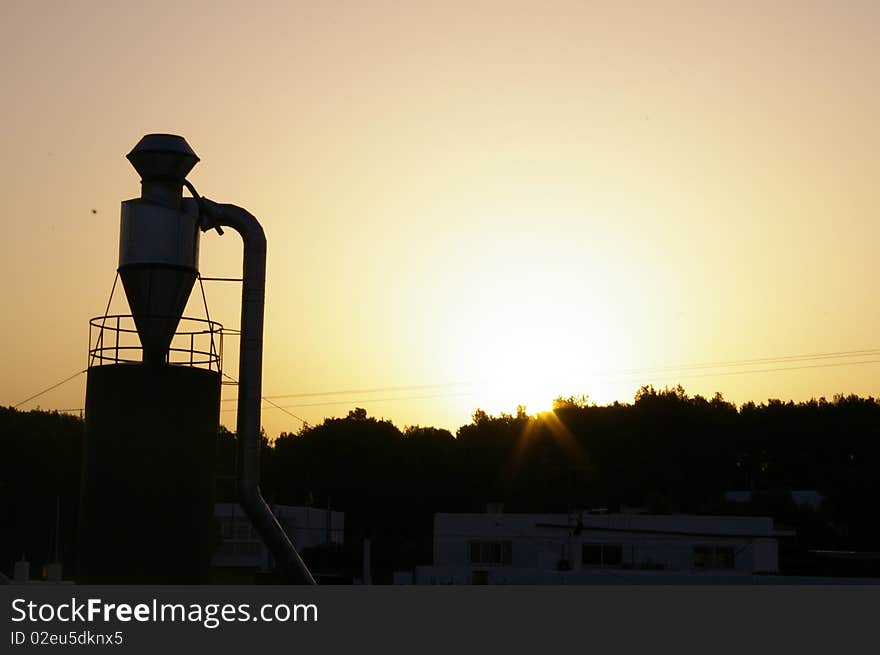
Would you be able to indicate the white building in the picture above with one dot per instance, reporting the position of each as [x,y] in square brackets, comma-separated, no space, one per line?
[241,547]
[805,498]
[497,548]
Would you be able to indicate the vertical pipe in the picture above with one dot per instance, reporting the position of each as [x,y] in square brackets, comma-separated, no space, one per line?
[250,379]
[57,528]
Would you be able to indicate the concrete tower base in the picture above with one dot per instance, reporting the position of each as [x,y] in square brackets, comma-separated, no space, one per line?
[146,510]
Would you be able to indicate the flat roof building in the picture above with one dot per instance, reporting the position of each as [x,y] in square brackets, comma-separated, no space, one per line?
[496,548]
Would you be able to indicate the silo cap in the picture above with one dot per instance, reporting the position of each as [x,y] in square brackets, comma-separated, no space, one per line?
[158,156]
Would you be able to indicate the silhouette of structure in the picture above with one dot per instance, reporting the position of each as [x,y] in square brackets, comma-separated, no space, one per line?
[152,406]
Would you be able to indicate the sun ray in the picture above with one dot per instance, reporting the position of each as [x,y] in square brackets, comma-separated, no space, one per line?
[521,446]
[564,438]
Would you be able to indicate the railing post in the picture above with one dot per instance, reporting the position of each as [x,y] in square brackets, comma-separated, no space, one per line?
[116,356]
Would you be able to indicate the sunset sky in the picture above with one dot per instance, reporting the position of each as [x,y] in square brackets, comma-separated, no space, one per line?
[467,204]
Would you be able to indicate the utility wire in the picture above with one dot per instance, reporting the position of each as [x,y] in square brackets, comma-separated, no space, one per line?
[751,362]
[364,400]
[469,393]
[764,370]
[631,372]
[627,372]
[289,413]
[48,389]
[318,394]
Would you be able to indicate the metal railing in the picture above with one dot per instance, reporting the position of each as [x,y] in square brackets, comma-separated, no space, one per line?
[197,342]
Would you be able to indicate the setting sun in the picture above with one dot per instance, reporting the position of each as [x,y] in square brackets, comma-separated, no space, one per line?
[520,352]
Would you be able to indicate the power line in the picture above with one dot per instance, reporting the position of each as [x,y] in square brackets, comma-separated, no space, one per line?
[628,373]
[767,370]
[751,362]
[298,418]
[289,413]
[48,389]
[318,394]
[618,372]
[364,400]
[470,393]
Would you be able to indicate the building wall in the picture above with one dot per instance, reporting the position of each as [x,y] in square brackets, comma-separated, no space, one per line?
[240,545]
[526,548]
[430,575]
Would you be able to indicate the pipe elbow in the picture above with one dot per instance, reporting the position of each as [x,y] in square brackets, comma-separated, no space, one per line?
[240,220]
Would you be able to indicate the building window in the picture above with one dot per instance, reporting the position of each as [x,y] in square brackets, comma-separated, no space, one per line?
[602,554]
[713,557]
[226,529]
[225,550]
[241,531]
[247,548]
[491,552]
[480,577]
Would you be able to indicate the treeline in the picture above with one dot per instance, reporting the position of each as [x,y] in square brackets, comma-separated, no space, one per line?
[665,452]
[40,467]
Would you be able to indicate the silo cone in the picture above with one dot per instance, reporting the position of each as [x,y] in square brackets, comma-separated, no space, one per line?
[157,296]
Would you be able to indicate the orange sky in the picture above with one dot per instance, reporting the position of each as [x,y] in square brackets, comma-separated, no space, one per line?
[472,204]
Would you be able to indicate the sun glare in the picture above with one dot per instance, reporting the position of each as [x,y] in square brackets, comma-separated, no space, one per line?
[507,394]
[513,361]
[531,323]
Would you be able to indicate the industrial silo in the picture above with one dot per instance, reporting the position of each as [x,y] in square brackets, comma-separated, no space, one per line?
[153,392]
[152,408]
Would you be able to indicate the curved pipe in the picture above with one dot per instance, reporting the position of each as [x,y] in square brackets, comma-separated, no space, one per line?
[250,380]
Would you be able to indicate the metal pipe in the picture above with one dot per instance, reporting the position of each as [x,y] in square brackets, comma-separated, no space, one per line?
[250,380]
[163,191]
